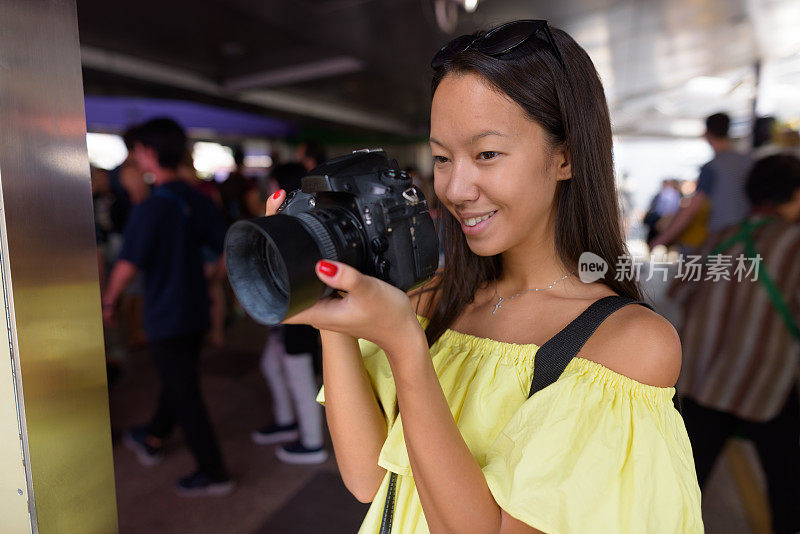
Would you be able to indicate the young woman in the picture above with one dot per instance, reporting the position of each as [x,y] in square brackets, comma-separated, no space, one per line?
[521,140]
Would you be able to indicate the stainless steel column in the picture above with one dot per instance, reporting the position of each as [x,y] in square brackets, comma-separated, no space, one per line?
[49,272]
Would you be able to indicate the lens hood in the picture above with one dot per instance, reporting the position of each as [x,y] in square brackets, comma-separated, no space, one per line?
[257,254]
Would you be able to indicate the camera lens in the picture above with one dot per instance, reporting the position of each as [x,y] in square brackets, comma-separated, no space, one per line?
[276,269]
[271,261]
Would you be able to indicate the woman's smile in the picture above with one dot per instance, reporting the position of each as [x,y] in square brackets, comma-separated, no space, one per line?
[475,222]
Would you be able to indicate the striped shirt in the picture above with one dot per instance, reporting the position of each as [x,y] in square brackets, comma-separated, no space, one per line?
[738,354]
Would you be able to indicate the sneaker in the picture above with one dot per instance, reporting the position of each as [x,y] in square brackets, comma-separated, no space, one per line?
[136,440]
[269,435]
[200,484]
[296,453]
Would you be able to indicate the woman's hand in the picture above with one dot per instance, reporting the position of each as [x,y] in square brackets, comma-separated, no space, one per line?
[274,202]
[370,308]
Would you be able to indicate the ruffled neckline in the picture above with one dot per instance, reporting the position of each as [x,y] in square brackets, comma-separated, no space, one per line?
[524,352]
[515,351]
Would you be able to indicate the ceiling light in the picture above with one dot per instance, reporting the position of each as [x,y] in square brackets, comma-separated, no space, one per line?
[709,85]
[686,127]
[297,73]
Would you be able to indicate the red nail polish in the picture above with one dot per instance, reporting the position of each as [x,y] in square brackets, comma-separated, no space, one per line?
[277,194]
[327,268]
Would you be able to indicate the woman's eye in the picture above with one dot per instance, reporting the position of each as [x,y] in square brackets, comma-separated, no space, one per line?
[439,159]
[489,154]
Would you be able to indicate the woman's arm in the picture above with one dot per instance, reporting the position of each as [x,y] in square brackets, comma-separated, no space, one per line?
[453,490]
[356,423]
[121,276]
[681,221]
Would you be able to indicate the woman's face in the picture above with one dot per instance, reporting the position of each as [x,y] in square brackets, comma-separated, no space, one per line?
[493,169]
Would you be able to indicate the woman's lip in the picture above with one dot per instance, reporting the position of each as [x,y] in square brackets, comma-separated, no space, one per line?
[478,228]
[466,216]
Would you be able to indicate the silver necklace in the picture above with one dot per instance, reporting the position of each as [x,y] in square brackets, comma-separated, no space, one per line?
[500,299]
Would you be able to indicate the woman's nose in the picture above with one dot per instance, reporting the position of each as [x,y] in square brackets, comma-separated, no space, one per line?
[462,186]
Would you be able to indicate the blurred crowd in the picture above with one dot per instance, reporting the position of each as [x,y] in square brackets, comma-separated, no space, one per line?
[160,233]
[740,336]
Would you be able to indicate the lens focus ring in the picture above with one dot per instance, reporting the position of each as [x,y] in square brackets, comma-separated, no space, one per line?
[321,234]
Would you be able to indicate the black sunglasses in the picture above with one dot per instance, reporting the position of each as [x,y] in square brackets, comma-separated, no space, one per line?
[499,41]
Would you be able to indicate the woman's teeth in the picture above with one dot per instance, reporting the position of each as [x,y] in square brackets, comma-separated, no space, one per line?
[475,220]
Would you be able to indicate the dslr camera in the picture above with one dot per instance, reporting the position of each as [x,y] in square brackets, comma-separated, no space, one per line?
[359,209]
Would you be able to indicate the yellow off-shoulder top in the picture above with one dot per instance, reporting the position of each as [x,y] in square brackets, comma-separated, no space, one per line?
[595,451]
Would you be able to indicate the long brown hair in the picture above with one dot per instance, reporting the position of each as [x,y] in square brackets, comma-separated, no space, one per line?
[568,102]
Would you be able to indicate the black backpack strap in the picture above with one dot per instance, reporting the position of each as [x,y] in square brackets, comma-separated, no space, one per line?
[388,507]
[553,357]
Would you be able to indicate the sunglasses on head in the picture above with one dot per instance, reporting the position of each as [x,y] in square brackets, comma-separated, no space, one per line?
[499,41]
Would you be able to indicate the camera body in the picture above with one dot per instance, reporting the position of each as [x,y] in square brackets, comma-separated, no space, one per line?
[359,209]
[381,221]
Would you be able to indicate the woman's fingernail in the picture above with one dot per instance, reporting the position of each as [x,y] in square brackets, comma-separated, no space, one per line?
[277,194]
[327,268]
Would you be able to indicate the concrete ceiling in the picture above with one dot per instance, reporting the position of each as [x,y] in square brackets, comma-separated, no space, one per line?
[362,65]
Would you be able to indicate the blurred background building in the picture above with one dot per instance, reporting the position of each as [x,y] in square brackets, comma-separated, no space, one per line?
[355,72]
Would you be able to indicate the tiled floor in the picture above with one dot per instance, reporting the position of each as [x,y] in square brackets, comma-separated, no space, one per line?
[271,496]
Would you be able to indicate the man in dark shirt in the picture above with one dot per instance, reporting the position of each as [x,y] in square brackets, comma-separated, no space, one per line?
[163,238]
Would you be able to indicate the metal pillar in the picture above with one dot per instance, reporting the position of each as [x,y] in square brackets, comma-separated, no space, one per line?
[56,470]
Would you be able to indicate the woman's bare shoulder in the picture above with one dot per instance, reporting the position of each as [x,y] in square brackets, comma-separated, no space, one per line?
[638,343]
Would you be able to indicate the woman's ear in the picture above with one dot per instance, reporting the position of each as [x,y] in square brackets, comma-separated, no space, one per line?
[564,170]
